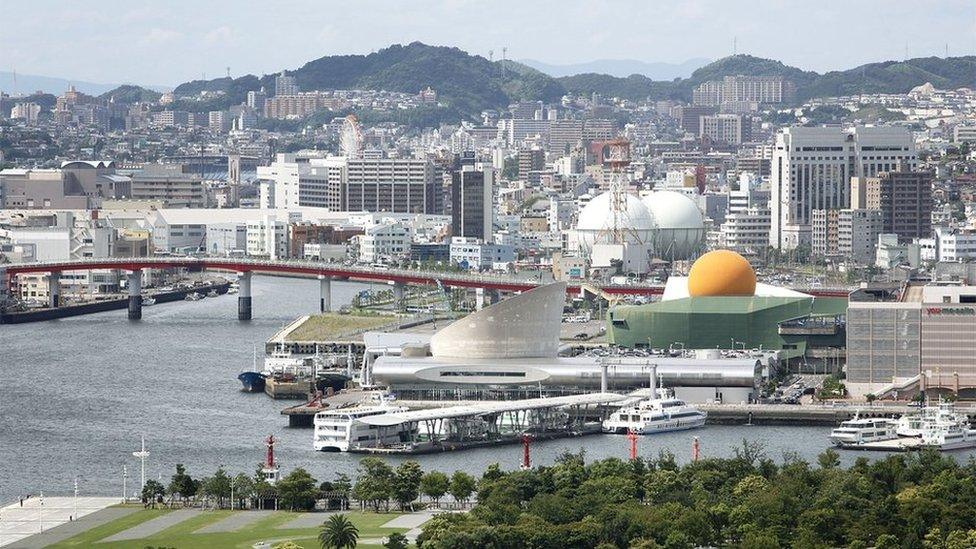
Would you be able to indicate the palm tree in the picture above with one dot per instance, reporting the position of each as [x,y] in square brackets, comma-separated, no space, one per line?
[338,533]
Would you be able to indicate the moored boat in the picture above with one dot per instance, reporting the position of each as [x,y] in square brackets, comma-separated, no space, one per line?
[655,415]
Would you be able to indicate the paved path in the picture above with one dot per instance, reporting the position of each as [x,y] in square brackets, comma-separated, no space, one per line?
[307,520]
[154,526]
[234,522]
[40,514]
[71,529]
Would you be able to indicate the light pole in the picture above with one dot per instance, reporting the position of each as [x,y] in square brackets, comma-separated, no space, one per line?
[75,515]
[142,455]
[125,476]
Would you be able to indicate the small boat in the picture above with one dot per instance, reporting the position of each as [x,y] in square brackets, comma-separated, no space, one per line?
[859,431]
[655,415]
[194,296]
[213,293]
[233,289]
[253,381]
[148,301]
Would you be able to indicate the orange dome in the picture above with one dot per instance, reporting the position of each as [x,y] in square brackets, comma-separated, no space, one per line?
[721,273]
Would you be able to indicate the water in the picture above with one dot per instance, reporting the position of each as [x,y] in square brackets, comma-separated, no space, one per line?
[77,394]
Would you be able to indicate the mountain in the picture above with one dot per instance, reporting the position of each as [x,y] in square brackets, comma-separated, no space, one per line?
[621,68]
[127,93]
[30,83]
[468,84]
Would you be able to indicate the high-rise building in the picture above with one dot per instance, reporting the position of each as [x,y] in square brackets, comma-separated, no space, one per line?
[733,89]
[904,198]
[256,99]
[812,167]
[746,231]
[472,214]
[530,160]
[396,185]
[857,234]
[823,233]
[689,117]
[726,129]
[285,85]
[564,135]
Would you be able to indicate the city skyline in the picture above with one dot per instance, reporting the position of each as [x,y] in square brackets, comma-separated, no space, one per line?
[110,45]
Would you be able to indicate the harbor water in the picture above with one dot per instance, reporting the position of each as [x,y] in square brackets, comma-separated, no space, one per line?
[77,394]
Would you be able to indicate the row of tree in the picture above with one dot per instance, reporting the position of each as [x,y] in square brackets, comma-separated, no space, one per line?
[920,500]
[376,486]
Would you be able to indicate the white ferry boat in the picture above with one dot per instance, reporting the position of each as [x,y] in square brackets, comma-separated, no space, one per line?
[655,415]
[858,431]
[340,430]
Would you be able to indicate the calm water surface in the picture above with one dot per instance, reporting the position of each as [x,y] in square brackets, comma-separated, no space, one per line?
[77,394]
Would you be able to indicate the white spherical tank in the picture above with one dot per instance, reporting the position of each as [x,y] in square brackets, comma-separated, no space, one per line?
[680,224]
[598,223]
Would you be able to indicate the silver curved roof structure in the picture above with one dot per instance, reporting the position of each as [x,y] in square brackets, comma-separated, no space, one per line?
[522,326]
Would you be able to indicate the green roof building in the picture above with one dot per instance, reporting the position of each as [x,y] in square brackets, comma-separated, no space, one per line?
[787,323]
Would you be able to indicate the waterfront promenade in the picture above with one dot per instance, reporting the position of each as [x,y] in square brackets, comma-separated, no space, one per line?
[53,519]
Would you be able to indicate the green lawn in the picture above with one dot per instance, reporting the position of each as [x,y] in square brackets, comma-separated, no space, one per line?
[325,326]
[182,535]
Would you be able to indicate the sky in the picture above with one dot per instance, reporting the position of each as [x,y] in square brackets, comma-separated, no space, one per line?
[165,42]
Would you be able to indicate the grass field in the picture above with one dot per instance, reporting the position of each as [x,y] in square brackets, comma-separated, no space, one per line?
[326,326]
[183,535]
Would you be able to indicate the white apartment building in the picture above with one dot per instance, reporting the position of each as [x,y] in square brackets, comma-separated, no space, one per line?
[746,231]
[812,169]
[384,243]
[857,234]
[267,237]
[955,245]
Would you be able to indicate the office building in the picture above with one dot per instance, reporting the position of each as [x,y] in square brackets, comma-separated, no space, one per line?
[471,253]
[267,237]
[395,185]
[725,129]
[904,198]
[170,184]
[746,231]
[812,168]
[385,243]
[472,212]
[689,117]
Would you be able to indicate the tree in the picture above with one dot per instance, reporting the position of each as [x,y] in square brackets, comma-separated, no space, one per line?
[434,485]
[243,489]
[374,484]
[338,532]
[152,492]
[406,483]
[396,540]
[829,459]
[217,487]
[462,486]
[298,490]
[181,485]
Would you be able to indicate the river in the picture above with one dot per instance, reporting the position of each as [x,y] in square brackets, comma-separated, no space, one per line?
[77,394]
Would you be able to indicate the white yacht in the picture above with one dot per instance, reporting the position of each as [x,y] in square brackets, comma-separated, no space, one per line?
[944,429]
[655,415]
[340,430]
[859,431]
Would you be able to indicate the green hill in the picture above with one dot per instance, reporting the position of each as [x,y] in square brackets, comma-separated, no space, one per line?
[130,94]
[468,84]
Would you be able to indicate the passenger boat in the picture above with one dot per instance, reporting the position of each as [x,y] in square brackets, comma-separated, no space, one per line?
[342,430]
[655,415]
[859,431]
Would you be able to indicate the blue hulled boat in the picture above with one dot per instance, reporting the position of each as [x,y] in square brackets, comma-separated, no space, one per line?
[253,382]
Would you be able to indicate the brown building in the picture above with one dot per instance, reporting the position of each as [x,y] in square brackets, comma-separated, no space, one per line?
[310,233]
[530,160]
[904,198]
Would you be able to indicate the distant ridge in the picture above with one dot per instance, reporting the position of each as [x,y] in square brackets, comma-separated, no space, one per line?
[621,68]
[30,83]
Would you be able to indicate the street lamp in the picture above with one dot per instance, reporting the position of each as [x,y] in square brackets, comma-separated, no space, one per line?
[142,454]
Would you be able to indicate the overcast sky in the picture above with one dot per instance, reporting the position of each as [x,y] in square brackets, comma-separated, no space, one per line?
[168,42]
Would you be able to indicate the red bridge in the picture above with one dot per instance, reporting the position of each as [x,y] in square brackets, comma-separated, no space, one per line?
[326,272]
